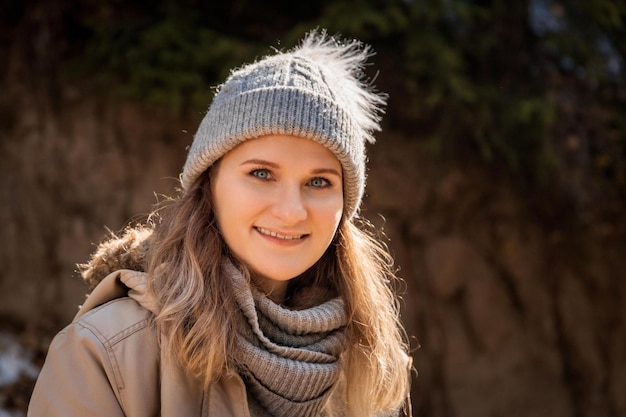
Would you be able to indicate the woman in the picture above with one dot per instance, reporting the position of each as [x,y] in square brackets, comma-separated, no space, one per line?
[258,291]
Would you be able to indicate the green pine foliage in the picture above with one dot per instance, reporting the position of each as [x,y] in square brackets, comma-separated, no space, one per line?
[530,86]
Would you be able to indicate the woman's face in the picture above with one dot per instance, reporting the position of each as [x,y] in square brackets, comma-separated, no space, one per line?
[278,201]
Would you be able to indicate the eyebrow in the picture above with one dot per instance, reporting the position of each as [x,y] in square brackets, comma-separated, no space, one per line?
[327,171]
[260,162]
[316,171]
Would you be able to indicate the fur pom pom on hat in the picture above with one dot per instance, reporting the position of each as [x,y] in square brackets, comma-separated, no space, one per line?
[315,91]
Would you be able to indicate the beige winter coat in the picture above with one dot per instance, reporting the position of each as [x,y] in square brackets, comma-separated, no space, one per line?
[107,362]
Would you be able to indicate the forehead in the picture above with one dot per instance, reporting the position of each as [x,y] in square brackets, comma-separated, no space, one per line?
[283,147]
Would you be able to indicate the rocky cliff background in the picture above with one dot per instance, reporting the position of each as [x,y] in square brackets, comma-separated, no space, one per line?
[498,178]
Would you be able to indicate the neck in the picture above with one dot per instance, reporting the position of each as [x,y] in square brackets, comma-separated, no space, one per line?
[274,290]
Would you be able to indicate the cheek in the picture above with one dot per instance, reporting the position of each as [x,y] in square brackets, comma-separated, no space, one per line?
[236,208]
[229,221]
[329,208]
[328,215]
[225,204]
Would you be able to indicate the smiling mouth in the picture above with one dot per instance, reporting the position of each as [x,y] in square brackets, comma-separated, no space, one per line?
[278,235]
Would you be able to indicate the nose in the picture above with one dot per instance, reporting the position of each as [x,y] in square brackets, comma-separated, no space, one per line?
[289,205]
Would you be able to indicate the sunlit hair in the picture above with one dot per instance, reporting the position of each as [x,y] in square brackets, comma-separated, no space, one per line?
[376,362]
[184,259]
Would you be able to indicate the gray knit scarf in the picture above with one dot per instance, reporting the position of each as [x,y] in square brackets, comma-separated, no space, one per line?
[288,359]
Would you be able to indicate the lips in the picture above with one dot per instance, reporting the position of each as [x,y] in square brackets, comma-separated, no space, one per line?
[271,233]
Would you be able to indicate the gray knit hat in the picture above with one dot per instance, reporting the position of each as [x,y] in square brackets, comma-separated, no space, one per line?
[315,91]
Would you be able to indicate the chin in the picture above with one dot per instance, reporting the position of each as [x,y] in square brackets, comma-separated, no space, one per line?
[281,274]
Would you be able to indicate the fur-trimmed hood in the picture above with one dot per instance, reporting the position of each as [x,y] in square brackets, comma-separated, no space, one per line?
[127,251]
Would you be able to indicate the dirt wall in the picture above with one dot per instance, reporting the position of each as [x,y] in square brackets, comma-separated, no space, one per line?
[515,301]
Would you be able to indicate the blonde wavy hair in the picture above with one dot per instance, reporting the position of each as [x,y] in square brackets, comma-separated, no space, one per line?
[182,251]
[184,260]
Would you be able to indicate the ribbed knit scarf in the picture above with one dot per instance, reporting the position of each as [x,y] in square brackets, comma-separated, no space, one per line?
[288,359]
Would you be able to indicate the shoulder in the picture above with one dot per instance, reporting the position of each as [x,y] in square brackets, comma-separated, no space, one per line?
[121,338]
[111,351]
[116,321]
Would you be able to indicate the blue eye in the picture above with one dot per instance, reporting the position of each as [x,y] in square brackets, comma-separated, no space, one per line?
[319,183]
[262,174]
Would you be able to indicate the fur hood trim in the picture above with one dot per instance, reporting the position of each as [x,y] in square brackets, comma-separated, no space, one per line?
[127,251]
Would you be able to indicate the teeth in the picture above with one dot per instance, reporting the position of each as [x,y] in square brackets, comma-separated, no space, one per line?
[278,235]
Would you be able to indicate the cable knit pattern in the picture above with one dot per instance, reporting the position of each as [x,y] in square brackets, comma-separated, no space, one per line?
[289,359]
